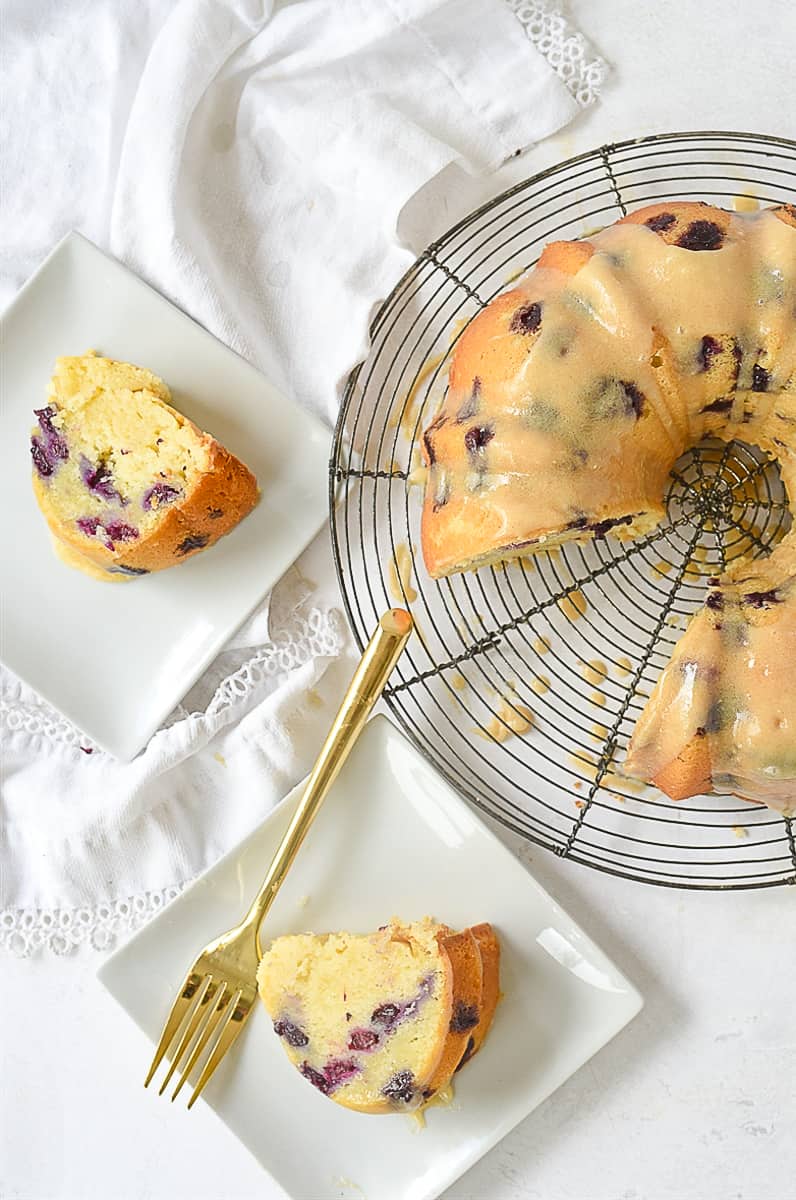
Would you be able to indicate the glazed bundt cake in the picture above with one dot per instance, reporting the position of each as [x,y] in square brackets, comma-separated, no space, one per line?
[380,1022]
[570,399]
[124,480]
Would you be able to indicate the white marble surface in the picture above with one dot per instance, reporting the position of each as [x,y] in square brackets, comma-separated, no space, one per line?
[696,1100]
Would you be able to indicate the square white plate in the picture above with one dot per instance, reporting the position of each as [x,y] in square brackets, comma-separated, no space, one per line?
[116,658]
[392,839]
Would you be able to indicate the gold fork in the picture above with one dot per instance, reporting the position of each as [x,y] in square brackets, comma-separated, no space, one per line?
[221,986]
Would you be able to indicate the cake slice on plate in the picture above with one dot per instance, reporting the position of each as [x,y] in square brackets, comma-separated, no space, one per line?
[126,483]
[380,1022]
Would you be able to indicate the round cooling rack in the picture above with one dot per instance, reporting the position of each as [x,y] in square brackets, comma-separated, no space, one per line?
[522,683]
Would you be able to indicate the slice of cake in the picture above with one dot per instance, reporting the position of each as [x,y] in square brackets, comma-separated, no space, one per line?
[123,479]
[380,1022]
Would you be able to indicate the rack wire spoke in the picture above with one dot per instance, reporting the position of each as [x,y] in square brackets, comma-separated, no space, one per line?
[524,681]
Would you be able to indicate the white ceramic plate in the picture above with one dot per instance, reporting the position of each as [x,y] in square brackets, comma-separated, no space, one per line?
[116,658]
[392,839]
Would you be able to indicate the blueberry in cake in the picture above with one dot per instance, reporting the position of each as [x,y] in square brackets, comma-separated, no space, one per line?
[380,1022]
[124,480]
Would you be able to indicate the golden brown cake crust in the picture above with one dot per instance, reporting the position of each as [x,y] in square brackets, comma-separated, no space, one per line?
[689,774]
[489,948]
[464,956]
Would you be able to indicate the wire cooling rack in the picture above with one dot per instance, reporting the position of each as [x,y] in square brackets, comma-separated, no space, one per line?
[522,683]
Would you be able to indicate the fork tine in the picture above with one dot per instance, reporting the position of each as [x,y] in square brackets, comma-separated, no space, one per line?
[204,1003]
[185,1000]
[209,1023]
[234,1020]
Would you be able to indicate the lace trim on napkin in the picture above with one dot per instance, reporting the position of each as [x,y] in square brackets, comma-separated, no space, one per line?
[316,633]
[566,50]
[228,689]
[25,931]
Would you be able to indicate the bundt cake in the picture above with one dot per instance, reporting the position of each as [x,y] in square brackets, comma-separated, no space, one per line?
[380,1022]
[570,399]
[125,481]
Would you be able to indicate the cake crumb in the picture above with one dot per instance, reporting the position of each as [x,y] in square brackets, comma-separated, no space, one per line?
[598,698]
[541,645]
[458,682]
[314,698]
[745,204]
[624,666]
[740,831]
[540,685]
[220,758]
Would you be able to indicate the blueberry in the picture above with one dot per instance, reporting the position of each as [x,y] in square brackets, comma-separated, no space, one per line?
[40,460]
[634,398]
[363,1039]
[88,525]
[195,541]
[661,222]
[118,531]
[386,1014]
[718,716]
[45,418]
[701,235]
[99,479]
[760,378]
[400,1087]
[600,528]
[291,1033]
[722,405]
[57,449]
[159,495]
[338,1071]
[708,350]
[477,438]
[762,599]
[465,1016]
[527,319]
[316,1079]
[610,398]
[715,600]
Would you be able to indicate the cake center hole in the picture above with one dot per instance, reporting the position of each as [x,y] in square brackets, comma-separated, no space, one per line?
[734,494]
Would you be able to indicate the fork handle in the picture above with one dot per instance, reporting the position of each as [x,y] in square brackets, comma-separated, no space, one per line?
[381,655]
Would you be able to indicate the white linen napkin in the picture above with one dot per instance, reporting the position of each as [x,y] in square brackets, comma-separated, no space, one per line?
[250,159]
